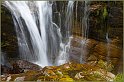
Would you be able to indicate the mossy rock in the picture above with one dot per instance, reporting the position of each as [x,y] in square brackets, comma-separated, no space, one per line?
[68,72]
[66,79]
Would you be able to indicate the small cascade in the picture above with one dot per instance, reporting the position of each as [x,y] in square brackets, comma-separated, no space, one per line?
[85,29]
[108,47]
[64,51]
[68,20]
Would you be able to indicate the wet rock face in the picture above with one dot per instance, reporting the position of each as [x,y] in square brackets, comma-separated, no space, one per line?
[8,35]
[94,50]
[113,22]
[108,50]
[116,16]
[77,47]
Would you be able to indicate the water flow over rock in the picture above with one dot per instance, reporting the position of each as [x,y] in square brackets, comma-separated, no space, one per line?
[64,51]
[39,38]
[34,27]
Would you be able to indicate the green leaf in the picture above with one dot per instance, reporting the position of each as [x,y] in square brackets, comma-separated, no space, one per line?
[105,13]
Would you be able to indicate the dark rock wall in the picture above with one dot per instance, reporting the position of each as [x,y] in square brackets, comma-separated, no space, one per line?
[111,23]
[9,43]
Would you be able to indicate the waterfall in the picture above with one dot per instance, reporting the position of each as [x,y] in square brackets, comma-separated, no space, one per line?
[64,47]
[68,20]
[32,25]
[39,38]
[85,29]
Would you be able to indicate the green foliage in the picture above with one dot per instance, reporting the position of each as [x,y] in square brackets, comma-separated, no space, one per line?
[119,78]
[105,13]
[104,65]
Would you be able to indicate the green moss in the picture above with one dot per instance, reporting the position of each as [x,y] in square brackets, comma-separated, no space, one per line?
[104,65]
[68,72]
[105,13]
[119,78]
[66,79]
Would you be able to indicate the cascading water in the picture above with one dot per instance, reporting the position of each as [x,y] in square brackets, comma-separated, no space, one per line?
[85,30]
[23,14]
[68,20]
[64,51]
[39,38]
[108,47]
[32,35]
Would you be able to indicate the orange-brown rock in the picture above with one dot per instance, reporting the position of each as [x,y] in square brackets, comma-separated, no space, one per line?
[108,50]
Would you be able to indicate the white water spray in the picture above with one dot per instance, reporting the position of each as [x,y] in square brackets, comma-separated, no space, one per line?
[24,20]
[39,39]
[64,51]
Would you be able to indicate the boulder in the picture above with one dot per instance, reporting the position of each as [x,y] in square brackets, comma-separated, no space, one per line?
[18,66]
[25,65]
[81,46]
